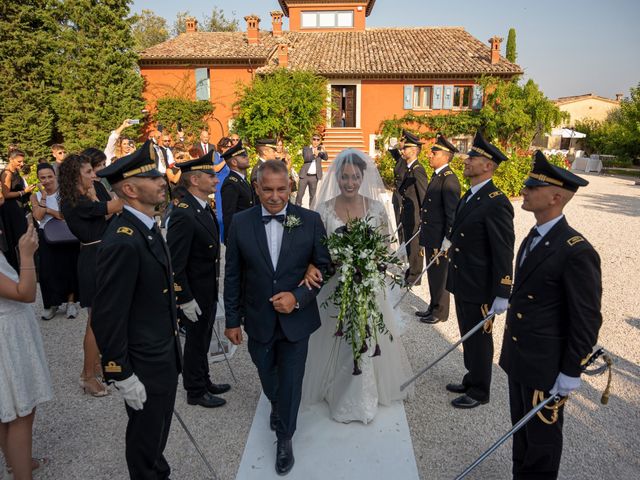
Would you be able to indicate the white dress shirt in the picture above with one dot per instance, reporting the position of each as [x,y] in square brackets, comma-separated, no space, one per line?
[274,231]
[312,166]
[439,169]
[543,230]
[205,148]
[143,217]
[476,188]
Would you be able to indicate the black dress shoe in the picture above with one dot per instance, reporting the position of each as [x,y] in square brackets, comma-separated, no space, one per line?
[456,388]
[218,388]
[431,320]
[274,418]
[207,400]
[425,313]
[284,457]
[464,401]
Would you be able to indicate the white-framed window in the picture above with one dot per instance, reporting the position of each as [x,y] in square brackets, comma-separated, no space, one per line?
[327,19]
[422,97]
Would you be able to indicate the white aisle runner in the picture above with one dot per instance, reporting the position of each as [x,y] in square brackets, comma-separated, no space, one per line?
[328,450]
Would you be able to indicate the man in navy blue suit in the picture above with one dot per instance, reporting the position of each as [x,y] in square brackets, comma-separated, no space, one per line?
[262,288]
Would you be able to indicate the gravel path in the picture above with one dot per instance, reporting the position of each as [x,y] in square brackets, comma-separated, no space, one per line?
[83,436]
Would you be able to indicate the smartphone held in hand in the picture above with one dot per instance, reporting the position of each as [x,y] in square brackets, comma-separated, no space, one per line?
[134,121]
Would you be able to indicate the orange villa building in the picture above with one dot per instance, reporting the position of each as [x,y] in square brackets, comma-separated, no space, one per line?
[372,73]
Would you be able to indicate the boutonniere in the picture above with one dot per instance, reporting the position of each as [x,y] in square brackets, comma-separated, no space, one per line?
[291,222]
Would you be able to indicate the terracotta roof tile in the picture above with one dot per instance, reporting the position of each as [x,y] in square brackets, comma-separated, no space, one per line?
[372,52]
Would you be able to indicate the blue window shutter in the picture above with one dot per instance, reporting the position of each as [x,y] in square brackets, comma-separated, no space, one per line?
[437,97]
[202,84]
[447,103]
[476,104]
[408,97]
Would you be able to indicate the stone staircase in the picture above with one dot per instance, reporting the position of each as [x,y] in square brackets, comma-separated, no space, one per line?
[337,139]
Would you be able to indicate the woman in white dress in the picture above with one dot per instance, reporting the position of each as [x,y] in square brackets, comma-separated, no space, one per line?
[353,189]
[24,376]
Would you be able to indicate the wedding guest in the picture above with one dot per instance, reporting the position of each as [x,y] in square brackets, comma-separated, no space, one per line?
[193,240]
[203,146]
[311,170]
[16,194]
[135,314]
[283,155]
[58,153]
[98,162]
[236,191]
[58,262]
[87,218]
[117,145]
[221,170]
[266,149]
[25,381]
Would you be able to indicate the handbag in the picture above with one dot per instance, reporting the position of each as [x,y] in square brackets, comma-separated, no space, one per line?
[57,231]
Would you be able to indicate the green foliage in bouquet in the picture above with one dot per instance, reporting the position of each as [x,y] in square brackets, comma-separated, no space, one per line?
[361,255]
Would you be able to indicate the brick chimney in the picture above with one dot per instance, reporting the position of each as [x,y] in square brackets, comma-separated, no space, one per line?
[192,24]
[283,54]
[619,97]
[253,29]
[495,43]
[276,23]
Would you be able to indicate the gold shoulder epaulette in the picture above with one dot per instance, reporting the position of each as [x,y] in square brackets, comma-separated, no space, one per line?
[573,240]
[495,194]
[125,230]
[506,280]
[183,205]
[448,172]
[113,367]
[233,179]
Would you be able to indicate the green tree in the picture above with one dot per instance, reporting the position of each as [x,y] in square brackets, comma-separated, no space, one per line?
[514,113]
[191,114]
[29,74]
[286,104]
[100,83]
[149,29]
[216,22]
[511,46]
[180,23]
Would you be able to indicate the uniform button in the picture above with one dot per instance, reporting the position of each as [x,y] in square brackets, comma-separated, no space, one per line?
[275,281]
[530,297]
[514,339]
[519,315]
[165,290]
[429,199]
[175,333]
[461,234]
[455,266]
[210,246]
[457,249]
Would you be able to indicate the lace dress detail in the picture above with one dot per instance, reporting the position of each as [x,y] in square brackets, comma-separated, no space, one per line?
[24,375]
[329,368]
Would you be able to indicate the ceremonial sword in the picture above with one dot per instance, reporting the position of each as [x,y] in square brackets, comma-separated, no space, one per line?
[226,359]
[448,351]
[433,260]
[195,444]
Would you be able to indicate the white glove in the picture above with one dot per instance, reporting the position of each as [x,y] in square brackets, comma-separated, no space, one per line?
[565,385]
[191,310]
[133,392]
[499,306]
[446,244]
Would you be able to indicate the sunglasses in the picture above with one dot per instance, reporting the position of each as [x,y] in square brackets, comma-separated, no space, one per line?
[315,139]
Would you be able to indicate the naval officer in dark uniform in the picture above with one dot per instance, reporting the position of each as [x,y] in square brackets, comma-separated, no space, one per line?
[236,191]
[553,318]
[399,169]
[438,211]
[480,274]
[194,241]
[412,191]
[134,313]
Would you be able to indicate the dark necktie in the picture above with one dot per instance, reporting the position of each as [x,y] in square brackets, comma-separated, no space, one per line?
[528,244]
[267,218]
[463,200]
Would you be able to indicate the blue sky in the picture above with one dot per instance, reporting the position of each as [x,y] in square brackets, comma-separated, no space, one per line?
[569,47]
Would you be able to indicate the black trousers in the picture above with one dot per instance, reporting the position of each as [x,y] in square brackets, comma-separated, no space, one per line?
[537,447]
[312,182]
[195,366]
[414,253]
[280,366]
[478,350]
[437,276]
[146,438]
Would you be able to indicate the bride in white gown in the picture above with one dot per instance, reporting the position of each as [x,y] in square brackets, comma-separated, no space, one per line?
[353,189]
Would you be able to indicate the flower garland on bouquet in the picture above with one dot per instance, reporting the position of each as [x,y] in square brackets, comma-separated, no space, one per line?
[361,257]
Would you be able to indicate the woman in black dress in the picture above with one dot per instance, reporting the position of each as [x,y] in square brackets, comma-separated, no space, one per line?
[87,217]
[58,272]
[15,194]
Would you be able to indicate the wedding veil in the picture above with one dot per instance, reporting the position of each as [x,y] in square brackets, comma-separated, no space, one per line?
[372,186]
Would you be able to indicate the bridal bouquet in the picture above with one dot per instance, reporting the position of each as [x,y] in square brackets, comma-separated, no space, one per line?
[361,256]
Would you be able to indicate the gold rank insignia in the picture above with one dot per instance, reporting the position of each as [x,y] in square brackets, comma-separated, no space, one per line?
[448,172]
[183,205]
[233,179]
[573,240]
[125,230]
[113,367]
[506,280]
[584,361]
[177,287]
[494,194]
